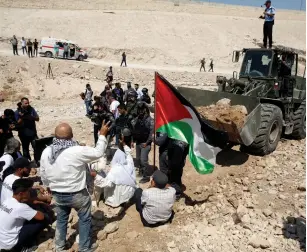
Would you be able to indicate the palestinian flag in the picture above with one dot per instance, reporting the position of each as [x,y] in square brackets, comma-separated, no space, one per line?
[180,120]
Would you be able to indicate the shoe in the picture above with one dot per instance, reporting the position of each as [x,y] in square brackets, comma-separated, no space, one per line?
[144,180]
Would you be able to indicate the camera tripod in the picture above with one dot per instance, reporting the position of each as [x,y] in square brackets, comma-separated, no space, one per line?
[49,72]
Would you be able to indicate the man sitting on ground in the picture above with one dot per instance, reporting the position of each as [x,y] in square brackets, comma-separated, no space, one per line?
[20,224]
[21,169]
[155,204]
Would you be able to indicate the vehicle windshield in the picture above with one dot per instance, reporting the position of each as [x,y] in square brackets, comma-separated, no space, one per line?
[256,64]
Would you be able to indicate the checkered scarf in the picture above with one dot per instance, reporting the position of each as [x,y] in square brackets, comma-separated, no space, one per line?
[58,145]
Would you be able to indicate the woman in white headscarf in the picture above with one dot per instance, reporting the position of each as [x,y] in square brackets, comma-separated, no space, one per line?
[120,182]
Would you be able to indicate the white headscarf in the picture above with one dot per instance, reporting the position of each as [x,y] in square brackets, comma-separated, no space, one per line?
[122,169]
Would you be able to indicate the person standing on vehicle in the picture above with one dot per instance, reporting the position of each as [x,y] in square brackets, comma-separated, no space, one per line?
[14,43]
[35,45]
[66,49]
[269,17]
[26,117]
[56,50]
[30,50]
[142,131]
[123,59]
[24,46]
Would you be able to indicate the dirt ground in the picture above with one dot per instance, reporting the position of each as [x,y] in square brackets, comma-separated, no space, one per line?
[248,203]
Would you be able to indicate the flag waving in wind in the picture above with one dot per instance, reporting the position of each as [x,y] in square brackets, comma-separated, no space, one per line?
[180,120]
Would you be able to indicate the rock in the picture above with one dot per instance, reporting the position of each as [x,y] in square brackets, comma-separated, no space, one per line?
[102,235]
[259,176]
[111,227]
[282,197]
[87,77]
[238,181]
[198,190]
[302,187]
[259,242]
[132,235]
[171,245]
[241,211]
[233,201]
[267,212]
[224,102]
[270,162]
[246,219]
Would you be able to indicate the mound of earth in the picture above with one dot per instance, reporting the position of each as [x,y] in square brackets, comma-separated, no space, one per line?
[223,112]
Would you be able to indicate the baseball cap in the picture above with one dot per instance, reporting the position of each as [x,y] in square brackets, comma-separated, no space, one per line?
[160,179]
[21,163]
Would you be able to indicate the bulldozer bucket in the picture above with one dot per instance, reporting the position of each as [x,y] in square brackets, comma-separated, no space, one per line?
[245,135]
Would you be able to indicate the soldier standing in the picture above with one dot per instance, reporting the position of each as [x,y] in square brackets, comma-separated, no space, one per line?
[211,66]
[202,62]
[123,59]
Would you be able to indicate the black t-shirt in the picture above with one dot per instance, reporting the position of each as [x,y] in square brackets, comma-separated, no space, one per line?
[35,44]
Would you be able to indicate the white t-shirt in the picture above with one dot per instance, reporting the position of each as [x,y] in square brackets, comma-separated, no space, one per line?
[8,159]
[13,214]
[6,191]
[23,43]
[113,107]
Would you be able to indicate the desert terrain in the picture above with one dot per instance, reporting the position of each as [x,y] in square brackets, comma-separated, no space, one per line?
[248,203]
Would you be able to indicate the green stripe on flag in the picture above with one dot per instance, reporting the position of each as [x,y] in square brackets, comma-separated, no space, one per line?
[183,131]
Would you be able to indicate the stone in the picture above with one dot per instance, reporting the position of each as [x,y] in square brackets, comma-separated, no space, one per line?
[282,197]
[132,235]
[171,245]
[270,162]
[111,227]
[102,235]
[259,176]
[259,242]
[267,212]
[302,187]
[241,211]
[238,181]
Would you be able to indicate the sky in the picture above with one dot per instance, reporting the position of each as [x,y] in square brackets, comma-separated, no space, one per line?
[278,4]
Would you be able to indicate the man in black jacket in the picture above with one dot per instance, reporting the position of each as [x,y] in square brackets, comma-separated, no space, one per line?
[26,118]
[7,124]
[142,130]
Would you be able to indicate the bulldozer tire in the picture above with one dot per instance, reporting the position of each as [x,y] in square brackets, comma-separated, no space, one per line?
[299,122]
[269,131]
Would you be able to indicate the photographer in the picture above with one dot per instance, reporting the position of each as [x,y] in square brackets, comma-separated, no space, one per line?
[98,114]
[26,117]
[7,124]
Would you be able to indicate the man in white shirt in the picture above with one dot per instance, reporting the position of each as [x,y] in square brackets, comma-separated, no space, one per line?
[20,224]
[21,169]
[24,45]
[138,91]
[63,170]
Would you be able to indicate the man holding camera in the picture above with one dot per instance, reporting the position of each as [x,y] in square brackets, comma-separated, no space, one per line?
[26,118]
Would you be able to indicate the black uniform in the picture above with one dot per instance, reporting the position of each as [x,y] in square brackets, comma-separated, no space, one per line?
[162,141]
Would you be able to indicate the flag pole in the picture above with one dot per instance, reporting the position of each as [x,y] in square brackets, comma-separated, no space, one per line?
[154,138]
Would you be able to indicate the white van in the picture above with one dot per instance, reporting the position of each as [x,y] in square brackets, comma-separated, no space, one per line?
[46,48]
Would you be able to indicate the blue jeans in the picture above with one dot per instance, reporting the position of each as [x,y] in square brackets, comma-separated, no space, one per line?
[81,202]
[88,105]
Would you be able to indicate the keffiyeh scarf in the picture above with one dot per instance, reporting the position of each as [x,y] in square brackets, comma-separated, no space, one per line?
[58,145]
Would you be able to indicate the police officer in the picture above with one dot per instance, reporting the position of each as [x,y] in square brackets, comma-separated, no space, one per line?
[142,131]
[124,119]
[145,97]
[162,141]
[177,153]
